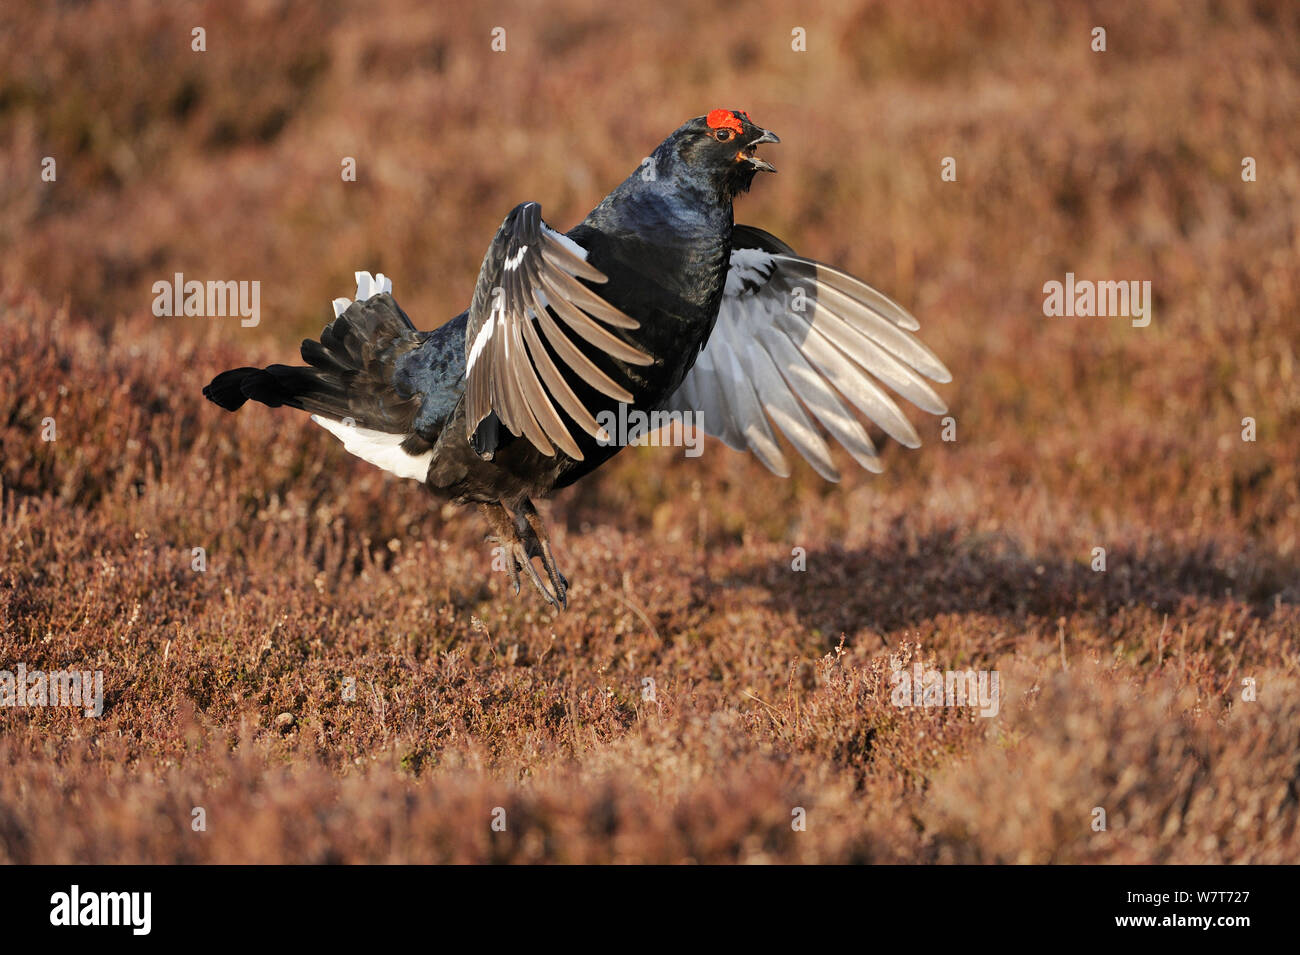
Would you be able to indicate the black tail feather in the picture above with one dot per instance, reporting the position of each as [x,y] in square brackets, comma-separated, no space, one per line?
[349,372]
[227,389]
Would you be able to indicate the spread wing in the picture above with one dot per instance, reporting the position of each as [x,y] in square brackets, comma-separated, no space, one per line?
[795,337]
[531,295]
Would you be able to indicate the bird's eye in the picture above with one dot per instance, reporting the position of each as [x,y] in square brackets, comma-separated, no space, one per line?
[723,135]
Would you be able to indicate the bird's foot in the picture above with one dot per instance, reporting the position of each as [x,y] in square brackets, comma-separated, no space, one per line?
[522,537]
[529,525]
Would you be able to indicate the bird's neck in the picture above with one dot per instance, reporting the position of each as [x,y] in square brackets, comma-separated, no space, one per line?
[672,227]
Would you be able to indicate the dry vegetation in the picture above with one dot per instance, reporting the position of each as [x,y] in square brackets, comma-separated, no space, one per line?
[1121,689]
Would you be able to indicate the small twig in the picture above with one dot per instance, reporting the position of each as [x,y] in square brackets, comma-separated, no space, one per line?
[381,708]
[637,610]
[773,709]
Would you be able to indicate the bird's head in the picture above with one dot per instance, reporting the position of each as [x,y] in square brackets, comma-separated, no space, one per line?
[721,147]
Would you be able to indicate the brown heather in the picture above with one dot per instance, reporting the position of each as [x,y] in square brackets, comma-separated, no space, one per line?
[1121,690]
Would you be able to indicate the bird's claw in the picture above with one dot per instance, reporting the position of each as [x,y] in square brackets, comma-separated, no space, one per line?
[520,540]
[522,558]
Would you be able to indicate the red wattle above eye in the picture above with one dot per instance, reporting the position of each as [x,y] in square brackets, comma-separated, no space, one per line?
[724,119]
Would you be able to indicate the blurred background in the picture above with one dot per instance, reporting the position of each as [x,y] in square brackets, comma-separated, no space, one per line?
[1071,433]
[228,161]
[1117,165]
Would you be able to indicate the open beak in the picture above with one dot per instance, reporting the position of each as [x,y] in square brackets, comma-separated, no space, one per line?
[749,153]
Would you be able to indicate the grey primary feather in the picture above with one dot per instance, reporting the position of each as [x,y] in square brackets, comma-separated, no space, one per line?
[796,339]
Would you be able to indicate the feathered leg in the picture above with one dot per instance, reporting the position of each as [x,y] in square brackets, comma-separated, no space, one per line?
[523,537]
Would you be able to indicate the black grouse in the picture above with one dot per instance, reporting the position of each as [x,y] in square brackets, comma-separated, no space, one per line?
[656,302]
